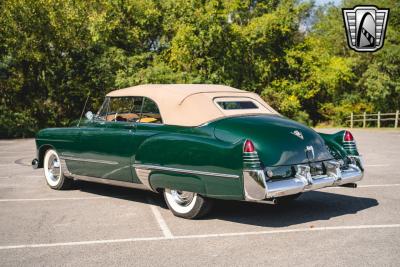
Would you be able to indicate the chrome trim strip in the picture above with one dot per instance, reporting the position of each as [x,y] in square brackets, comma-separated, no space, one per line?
[110,182]
[162,168]
[144,177]
[250,154]
[250,157]
[91,160]
[67,173]
[66,154]
[64,168]
[55,140]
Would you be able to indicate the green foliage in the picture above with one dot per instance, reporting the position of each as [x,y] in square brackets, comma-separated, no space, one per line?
[372,83]
[54,53]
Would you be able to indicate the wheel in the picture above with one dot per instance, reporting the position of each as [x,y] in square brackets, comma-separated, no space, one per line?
[288,199]
[187,205]
[53,171]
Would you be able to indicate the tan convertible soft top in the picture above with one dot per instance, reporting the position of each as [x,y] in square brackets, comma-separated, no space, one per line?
[194,104]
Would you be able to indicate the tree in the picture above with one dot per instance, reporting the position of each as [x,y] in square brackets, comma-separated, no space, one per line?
[55,53]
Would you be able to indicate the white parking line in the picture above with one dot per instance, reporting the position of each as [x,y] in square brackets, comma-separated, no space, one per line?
[377,185]
[377,165]
[204,236]
[328,228]
[50,199]
[22,176]
[160,220]
[28,176]
[363,186]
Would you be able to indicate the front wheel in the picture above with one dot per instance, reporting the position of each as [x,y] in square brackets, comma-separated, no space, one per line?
[187,205]
[53,171]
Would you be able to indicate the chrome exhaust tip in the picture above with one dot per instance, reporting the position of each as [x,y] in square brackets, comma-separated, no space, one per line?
[271,201]
[350,185]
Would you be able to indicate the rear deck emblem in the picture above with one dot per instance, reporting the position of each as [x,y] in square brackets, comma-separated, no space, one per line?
[298,134]
[365,27]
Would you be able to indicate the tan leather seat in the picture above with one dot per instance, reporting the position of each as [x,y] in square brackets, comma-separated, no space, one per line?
[128,116]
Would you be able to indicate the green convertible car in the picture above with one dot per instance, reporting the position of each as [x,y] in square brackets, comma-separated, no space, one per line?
[195,143]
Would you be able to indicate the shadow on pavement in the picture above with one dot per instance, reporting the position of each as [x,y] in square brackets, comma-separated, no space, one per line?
[311,206]
[112,191]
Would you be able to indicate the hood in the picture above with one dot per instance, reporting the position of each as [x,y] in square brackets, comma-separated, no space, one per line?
[278,140]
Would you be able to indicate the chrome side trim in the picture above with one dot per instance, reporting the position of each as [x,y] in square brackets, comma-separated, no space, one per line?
[110,182]
[90,160]
[162,168]
[64,168]
[55,140]
[144,177]
[66,154]
[67,173]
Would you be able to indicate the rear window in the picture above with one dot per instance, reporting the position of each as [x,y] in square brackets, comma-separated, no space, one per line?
[228,105]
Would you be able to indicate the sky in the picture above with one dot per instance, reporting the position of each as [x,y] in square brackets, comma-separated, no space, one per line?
[322,2]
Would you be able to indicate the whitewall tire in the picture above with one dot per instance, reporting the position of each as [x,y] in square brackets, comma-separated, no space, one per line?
[53,171]
[187,205]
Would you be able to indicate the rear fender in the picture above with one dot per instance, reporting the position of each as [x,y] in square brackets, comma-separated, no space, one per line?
[338,146]
[190,162]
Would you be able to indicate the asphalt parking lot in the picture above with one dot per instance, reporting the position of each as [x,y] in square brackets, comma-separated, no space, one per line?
[96,224]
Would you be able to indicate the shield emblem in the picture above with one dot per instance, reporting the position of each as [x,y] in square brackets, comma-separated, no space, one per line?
[365,27]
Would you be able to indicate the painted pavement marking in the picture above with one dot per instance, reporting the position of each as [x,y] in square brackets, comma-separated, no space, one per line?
[203,236]
[160,220]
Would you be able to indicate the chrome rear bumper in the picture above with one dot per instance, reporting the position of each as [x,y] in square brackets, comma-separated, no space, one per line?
[258,188]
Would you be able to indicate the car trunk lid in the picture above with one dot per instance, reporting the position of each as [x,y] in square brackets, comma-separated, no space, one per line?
[279,141]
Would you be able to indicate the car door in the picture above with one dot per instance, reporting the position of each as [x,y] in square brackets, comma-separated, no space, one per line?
[107,143]
[149,124]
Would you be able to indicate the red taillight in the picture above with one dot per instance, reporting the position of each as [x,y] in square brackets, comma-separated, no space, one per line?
[248,147]
[348,136]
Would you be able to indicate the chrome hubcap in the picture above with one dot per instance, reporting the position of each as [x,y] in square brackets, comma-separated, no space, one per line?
[54,168]
[182,198]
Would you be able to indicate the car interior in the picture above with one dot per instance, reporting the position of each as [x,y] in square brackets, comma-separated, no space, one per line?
[130,109]
[133,117]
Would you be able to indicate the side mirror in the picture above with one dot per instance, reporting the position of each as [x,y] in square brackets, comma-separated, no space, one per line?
[89,115]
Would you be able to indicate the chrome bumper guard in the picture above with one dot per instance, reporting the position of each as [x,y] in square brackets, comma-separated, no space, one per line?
[257,188]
